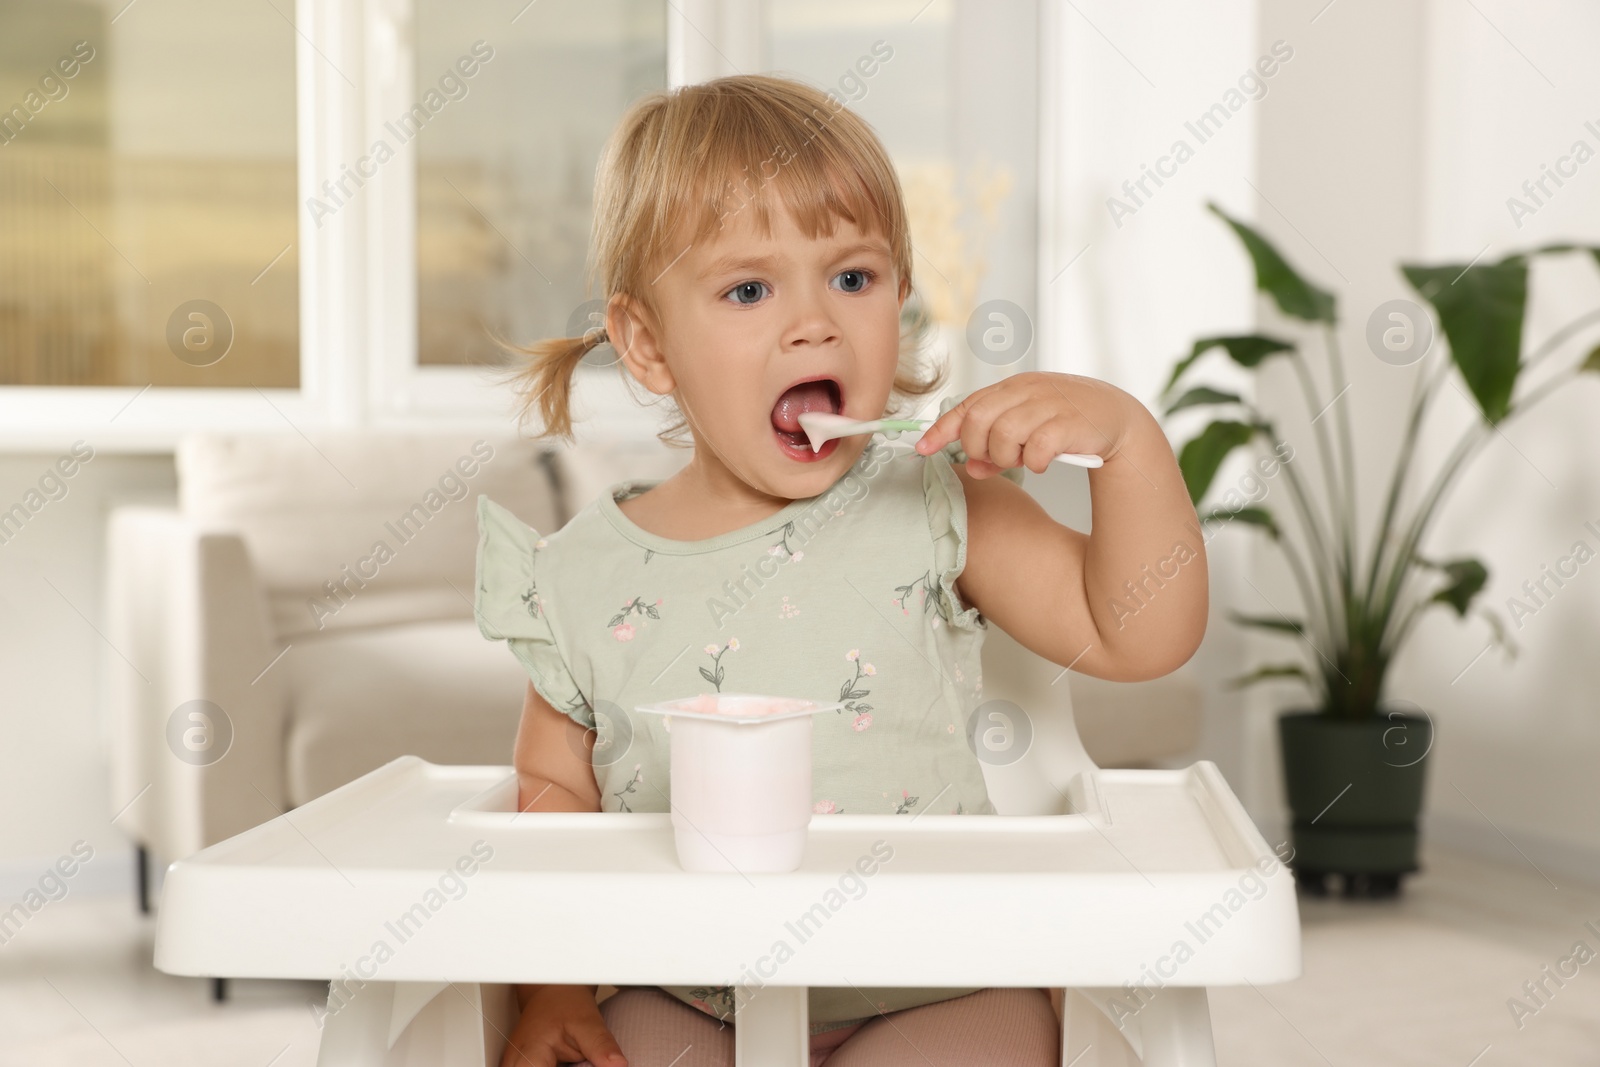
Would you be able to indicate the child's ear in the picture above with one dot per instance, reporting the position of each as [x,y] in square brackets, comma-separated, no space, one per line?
[634,332]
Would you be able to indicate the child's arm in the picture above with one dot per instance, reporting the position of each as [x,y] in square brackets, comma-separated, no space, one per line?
[555,769]
[1127,601]
[555,772]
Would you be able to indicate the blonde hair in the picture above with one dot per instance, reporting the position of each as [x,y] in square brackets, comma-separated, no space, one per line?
[684,154]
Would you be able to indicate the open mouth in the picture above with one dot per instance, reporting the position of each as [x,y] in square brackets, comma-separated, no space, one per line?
[813,394]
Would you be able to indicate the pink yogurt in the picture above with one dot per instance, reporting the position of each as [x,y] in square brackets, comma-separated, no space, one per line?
[722,704]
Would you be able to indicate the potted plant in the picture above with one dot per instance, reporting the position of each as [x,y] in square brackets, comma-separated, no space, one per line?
[1354,762]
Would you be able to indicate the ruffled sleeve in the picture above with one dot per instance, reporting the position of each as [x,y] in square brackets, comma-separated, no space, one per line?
[947,521]
[510,607]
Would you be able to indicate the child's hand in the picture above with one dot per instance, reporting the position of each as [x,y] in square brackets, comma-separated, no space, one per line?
[561,1024]
[1028,419]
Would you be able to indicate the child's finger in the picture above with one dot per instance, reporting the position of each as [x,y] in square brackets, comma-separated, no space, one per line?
[596,1042]
[982,468]
[944,429]
[977,423]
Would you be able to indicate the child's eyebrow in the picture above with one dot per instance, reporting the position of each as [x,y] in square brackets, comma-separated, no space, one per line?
[735,261]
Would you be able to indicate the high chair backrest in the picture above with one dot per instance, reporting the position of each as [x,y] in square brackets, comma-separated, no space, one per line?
[1036,750]
[1053,754]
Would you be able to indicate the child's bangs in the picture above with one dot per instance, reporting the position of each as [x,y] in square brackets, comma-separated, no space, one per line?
[816,184]
[740,150]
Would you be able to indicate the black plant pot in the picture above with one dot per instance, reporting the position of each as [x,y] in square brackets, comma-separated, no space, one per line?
[1355,788]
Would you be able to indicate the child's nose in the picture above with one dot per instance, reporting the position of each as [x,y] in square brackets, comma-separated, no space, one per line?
[811,325]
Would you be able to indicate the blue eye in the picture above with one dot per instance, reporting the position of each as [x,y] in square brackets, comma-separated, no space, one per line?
[753,290]
[856,279]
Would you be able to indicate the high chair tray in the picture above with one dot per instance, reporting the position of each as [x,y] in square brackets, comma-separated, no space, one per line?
[428,873]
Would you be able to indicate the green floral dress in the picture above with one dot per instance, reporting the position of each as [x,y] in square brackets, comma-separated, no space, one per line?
[847,596]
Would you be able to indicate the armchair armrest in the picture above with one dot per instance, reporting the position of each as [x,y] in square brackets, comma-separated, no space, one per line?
[185,608]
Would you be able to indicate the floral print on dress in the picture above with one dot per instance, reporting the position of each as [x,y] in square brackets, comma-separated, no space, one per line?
[936,600]
[716,1001]
[621,794]
[782,547]
[787,610]
[907,802]
[826,807]
[850,696]
[532,600]
[719,672]
[623,630]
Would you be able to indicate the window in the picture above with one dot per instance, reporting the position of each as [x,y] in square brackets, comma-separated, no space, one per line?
[505,172]
[208,179]
[147,195]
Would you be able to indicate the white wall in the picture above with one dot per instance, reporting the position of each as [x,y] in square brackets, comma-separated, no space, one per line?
[1518,741]
[1400,137]
[53,748]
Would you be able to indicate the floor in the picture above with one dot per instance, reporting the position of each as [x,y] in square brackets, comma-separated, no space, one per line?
[1424,980]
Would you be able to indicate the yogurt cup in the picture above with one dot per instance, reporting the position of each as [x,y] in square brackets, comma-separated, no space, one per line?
[741,779]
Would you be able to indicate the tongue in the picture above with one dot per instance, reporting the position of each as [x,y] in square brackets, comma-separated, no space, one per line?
[807,396]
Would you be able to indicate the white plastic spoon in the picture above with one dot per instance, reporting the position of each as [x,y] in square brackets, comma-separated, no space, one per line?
[822,426]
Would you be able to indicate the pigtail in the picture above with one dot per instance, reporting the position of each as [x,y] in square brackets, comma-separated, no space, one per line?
[543,380]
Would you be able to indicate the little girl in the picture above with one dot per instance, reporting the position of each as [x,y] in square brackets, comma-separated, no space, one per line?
[755,257]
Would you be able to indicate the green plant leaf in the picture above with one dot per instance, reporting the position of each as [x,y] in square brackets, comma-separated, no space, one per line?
[1481,309]
[1201,457]
[1203,394]
[1253,516]
[1591,362]
[1247,350]
[1270,622]
[1261,674]
[1467,577]
[1293,294]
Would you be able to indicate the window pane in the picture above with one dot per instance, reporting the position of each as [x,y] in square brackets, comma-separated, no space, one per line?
[891,62]
[894,72]
[505,167]
[147,194]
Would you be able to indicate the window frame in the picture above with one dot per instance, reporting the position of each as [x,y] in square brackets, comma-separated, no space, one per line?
[358,271]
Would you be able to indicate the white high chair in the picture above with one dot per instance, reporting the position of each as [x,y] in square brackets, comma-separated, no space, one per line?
[1133,890]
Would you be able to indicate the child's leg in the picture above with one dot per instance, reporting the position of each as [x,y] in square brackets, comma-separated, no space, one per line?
[655,1029]
[1016,1027]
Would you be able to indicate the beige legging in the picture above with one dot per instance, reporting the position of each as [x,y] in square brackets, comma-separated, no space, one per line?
[1015,1027]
